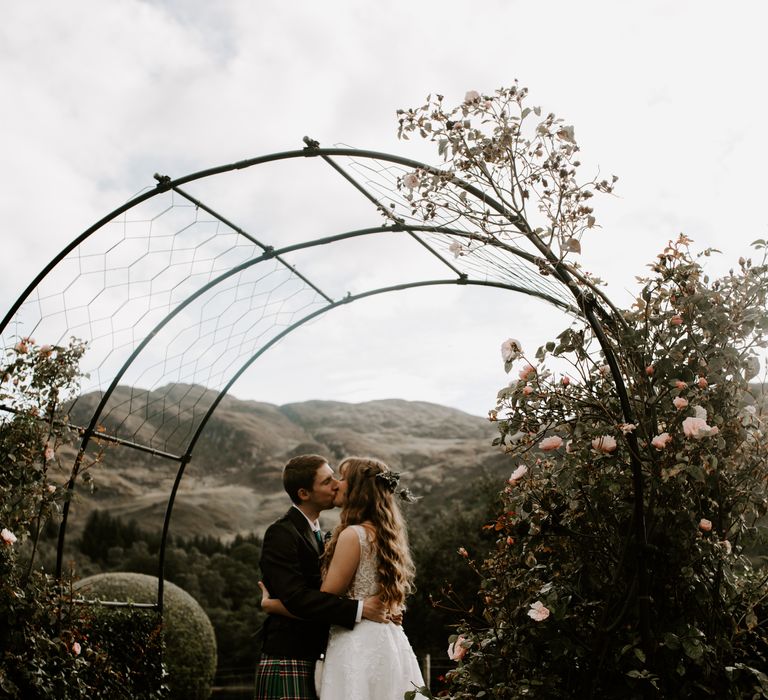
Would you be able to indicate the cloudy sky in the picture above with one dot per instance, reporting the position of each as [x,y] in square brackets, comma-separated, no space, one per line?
[100,95]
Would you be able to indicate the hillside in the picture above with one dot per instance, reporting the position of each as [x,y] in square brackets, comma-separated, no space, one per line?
[232,485]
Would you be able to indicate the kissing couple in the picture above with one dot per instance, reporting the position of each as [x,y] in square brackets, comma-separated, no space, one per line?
[344,598]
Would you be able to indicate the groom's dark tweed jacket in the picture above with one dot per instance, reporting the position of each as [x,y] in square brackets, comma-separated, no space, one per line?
[290,568]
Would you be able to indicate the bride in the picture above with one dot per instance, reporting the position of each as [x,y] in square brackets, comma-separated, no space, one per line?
[368,554]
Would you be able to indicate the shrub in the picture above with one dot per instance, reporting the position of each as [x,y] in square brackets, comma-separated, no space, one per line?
[190,643]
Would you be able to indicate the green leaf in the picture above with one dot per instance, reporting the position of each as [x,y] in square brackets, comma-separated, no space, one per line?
[693,648]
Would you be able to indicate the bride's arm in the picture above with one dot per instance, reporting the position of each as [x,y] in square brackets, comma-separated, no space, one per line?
[343,566]
[273,606]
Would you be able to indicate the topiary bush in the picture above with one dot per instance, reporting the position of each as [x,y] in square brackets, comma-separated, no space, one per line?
[190,642]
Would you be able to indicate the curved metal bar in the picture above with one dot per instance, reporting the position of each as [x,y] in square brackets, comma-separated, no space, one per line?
[91,428]
[286,331]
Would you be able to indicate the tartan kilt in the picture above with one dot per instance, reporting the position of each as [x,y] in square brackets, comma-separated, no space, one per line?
[284,679]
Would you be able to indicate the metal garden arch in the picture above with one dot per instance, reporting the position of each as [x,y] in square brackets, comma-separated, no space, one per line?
[166,289]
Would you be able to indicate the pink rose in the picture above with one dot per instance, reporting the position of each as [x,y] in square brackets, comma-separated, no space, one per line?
[679,402]
[680,384]
[538,612]
[457,649]
[551,443]
[510,540]
[456,249]
[676,320]
[604,443]
[649,370]
[49,453]
[51,488]
[463,552]
[472,96]
[511,350]
[705,525]
[76,648]
[661,441]
[627,428]
[527,390]
[702,383]
[7,536]
[45,350]
[518,474]
[566,380]
[20,347]
[696,426]
[526,372]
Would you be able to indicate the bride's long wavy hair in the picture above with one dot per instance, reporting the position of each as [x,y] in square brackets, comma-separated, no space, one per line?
[371,499]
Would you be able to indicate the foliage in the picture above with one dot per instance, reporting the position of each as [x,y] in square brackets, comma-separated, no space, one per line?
[190,644]
[50,646]
[619,567]
[221,577]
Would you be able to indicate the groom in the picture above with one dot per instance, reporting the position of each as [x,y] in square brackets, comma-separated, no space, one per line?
[290,567]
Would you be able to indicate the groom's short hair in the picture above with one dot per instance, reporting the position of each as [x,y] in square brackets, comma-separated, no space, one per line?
[299,473]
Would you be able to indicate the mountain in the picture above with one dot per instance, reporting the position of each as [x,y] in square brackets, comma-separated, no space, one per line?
[233,483]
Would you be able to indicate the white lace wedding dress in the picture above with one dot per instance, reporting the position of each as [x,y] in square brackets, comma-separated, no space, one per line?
[373,661]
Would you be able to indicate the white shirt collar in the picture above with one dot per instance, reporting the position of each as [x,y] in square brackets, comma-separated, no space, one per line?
[313,524]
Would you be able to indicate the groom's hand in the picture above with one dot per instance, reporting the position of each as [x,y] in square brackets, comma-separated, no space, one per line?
[374,609]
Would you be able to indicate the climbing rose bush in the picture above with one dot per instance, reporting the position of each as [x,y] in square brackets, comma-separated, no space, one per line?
[626,554]
[51,647]
[560,591]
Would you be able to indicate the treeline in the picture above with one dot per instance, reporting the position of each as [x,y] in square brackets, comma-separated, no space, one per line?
[222,577]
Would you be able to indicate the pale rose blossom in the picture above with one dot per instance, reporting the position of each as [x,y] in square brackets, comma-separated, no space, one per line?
[511,350]
[696,426]
[456,249]
[7,536]
[627,428]
[649,370]
[676,320]
[526,372]
[604,443]
[51,488]
[702,383]
[679,402]
[538,612]
[76,648]
[472,96]
[705,525]
[518,474]
[45,350]
[680,384]
[457,649]
[20,347]
[463,552]
[411,181]
[566,380]
[553,442]
[604,370]
[49,453]
[527,390]
[661,441]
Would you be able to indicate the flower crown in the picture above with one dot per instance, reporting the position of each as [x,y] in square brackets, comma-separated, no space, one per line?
[391,481]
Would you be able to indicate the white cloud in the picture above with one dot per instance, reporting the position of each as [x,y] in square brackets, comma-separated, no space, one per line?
[102,95]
